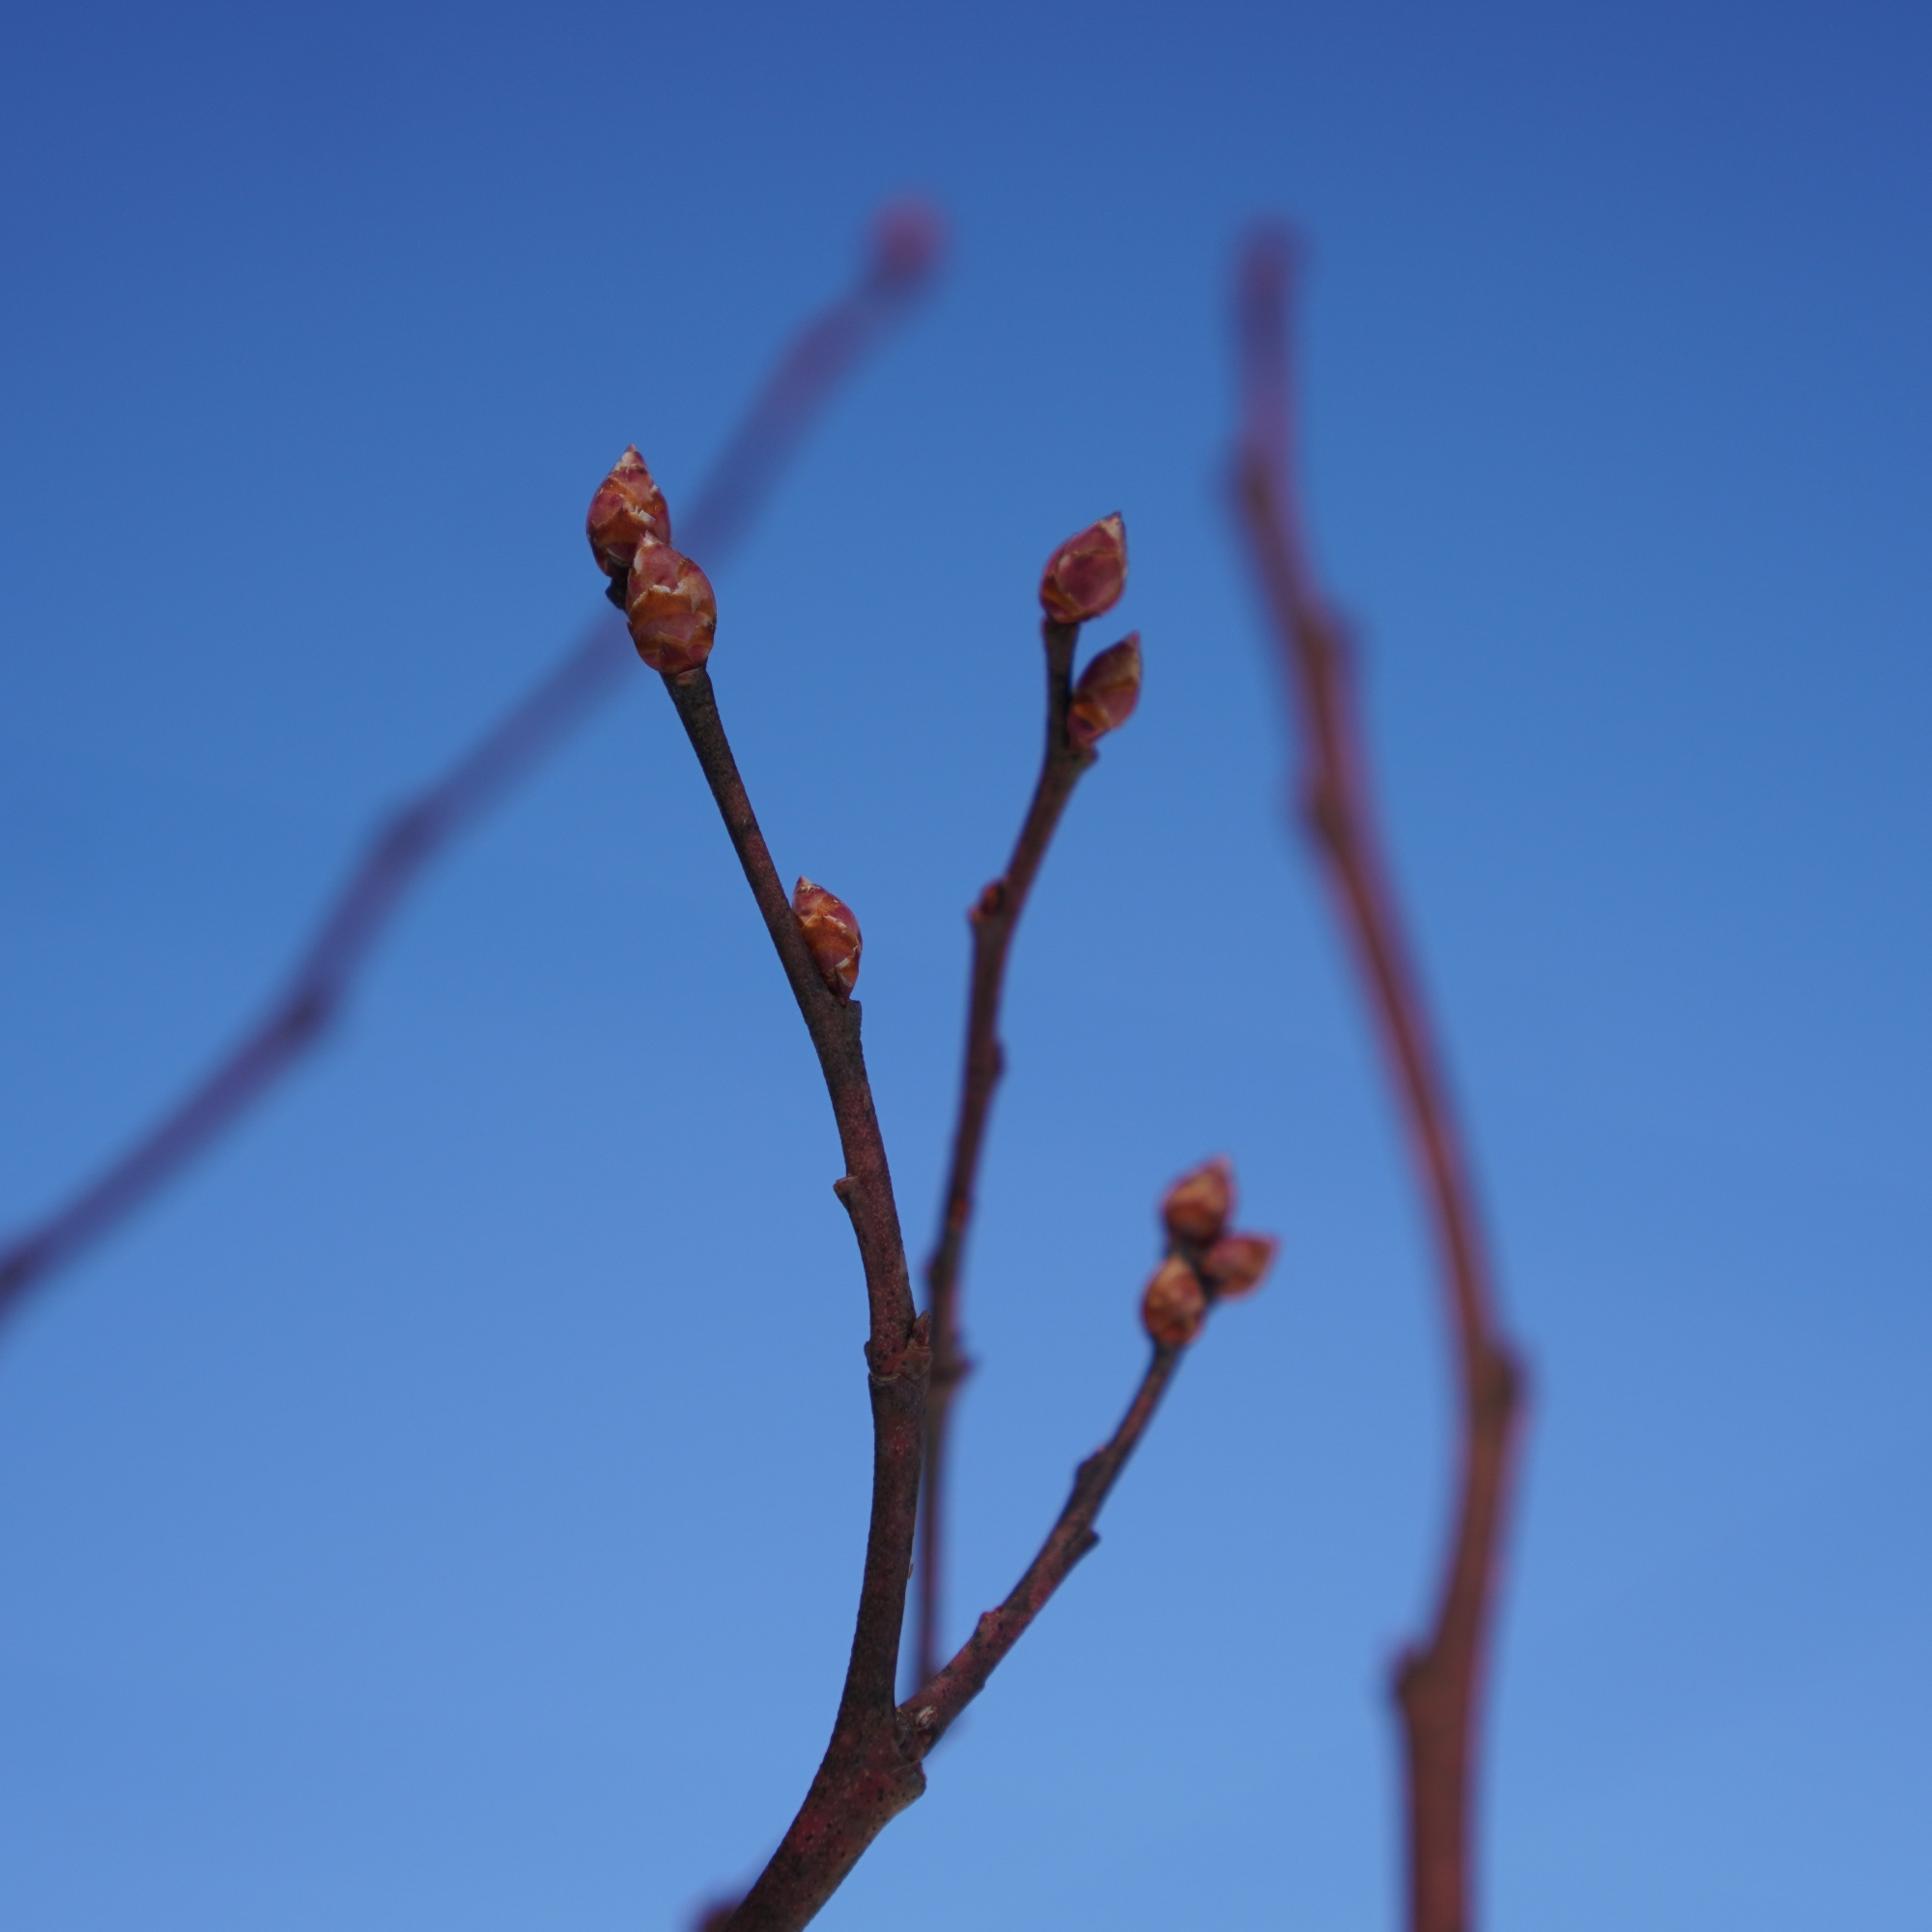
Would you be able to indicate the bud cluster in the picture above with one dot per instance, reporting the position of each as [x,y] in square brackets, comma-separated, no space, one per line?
[1206,1264]
[668,599]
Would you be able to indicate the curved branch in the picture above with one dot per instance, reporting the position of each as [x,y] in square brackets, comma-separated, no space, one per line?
[1438,1680]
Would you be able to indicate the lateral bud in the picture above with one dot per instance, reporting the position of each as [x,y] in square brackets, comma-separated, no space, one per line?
[1087,574]
[1238,1263]
[1108,689]
[627,509]
[670,609]
[1175,1304]
[830,935]
[1198,1204]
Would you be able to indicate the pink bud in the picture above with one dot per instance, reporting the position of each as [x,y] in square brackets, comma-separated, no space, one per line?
[672,614]
[1173,1306]
[627,508]
[1235,1263]
[1087,574]
[1109,689]
[830,935]
[1198,1204]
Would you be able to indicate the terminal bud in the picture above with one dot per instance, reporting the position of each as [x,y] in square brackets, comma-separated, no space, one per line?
[672,614]
[627,508]
[1198,1204]
[1087,574]
[1175,1304]
[1236,1263]
[830,935]
[1109,689]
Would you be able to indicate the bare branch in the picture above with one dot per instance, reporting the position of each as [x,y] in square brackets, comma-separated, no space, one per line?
[932,1709]
[1438,1680]
[994,919]
[870,1771]
[905,248]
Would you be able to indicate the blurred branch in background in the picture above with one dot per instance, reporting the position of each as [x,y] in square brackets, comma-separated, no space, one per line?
[907,241]
[1438,1682]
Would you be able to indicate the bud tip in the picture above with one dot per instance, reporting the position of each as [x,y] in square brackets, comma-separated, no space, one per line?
[1236,1264]
[830,935]
[627,508]
[1198,1204]
[1087,574]
[1108,689]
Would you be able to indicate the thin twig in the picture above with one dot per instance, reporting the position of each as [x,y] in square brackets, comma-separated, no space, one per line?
[871,1770]
[932,1709]
[1438,1680]
[993,919]
[905,248]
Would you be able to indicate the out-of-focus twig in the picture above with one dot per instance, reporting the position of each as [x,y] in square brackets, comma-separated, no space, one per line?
[1438,1680]
[905,249]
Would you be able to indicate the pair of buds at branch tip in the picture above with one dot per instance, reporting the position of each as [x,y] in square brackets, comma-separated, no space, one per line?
[1206,1262]
[667,600]
[1084,579]
[673,619]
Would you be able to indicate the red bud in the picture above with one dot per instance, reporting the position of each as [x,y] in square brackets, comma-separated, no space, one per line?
[1173,1306]
[1087,574]
[1109,689]
[1198,1204]
[1235,1263]
[672,614]
[830,935]
[627,508]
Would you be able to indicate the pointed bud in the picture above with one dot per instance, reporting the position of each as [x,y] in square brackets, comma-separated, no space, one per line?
[830,935]
[1087,574]
[673,616]
[1109,689]
[1235,1264]
[1198,1204]
[1173,1306]
[627,508]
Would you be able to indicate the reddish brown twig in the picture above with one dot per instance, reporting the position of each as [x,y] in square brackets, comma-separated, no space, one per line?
[870,1769]
[993,920]
[905,248]
[1438,1682]
[932,1709]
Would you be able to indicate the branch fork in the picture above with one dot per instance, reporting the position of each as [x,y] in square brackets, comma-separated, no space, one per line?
[872,1765]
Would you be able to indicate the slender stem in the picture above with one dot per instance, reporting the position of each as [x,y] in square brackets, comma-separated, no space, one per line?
[994,918]
[933,1708]
[871,1770]
[1438,1680]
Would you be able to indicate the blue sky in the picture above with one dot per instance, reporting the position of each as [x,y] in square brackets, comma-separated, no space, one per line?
[445,1507]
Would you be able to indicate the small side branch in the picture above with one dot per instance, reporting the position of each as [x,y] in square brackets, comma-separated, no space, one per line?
[871,1770]
[933,1709]
[994,919]
[1438,1680]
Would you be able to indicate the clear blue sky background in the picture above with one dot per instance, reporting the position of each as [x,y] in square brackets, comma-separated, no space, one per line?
[445,1509]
